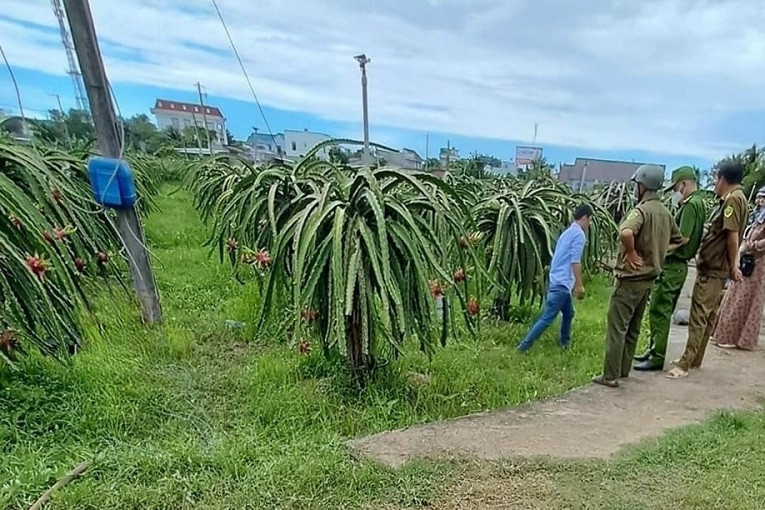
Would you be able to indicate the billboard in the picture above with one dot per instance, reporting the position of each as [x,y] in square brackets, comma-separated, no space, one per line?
[525,155]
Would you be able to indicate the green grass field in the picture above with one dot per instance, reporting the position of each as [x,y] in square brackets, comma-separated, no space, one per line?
[195,415]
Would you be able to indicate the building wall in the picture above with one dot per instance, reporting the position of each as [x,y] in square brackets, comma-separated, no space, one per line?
[181,120]
[298,143]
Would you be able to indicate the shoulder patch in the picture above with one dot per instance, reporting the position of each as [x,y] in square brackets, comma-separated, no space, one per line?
[728,211]
[632,215]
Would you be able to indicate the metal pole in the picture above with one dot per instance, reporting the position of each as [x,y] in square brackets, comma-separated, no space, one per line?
[584,173]
[363,60]
[105,120]
[204,117]
[63,119]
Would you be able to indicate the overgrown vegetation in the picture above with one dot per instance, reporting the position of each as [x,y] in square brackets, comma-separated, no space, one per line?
[365,255]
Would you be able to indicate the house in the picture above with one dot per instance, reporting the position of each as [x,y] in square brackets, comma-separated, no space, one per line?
[405,159]
[265,147]
[179,116]
[587,172]
[298,143]
[449,153]
[506,168]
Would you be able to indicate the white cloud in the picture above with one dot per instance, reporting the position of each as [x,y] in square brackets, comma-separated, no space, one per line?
[657,75]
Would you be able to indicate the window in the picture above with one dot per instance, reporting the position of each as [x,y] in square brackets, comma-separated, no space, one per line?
[196,108]
[172,106]
[294,146]
[210,126]
[207,110]
[186,123]
[184,107]
[159,103]
[176,124]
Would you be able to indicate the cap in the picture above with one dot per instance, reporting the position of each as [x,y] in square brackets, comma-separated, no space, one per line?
[761,192]
[684,173]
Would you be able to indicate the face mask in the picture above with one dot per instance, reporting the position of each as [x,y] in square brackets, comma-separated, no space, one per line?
[677,198]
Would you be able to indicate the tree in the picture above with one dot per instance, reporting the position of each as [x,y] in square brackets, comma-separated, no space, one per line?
[432,164]
[142,135]
[233,142]
[338,156]
[61,128]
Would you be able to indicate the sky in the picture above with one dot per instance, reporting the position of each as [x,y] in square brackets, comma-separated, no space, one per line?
[665,81]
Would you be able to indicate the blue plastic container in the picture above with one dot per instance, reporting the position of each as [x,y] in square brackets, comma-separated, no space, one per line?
[112,182]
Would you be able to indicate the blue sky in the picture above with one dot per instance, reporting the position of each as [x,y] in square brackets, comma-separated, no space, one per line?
[666,81]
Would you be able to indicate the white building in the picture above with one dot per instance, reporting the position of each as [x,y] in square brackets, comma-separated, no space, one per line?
[179,116]
[298,143]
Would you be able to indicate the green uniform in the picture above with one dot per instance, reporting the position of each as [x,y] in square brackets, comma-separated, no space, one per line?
[654,230]
[713,268]
[666,292]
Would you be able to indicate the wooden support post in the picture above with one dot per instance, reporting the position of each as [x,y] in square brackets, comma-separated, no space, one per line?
[105,120]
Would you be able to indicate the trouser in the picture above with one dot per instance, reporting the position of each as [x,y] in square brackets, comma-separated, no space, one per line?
[664,298]
[707,291]
[558,301]
[625,313]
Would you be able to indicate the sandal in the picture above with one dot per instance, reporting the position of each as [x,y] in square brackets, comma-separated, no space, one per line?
[605,382]
[676,373]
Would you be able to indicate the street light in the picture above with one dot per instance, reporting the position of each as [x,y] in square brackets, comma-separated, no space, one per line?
[363,61]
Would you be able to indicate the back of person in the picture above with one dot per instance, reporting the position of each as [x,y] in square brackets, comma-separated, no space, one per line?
[731,212]
[566,249]
[653,227]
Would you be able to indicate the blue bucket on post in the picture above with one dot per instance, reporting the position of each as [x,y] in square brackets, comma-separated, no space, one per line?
[112,182]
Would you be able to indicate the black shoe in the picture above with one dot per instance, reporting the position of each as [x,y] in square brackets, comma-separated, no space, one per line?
[643,357]
[649,365]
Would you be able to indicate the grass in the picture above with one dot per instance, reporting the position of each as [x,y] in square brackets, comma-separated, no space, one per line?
[193,415]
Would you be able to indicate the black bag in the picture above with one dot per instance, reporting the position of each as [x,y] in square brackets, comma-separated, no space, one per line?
[746,264]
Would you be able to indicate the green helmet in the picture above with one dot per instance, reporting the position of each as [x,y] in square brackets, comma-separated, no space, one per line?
[650,176]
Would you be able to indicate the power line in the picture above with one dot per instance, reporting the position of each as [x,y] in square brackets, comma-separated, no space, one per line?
[244,71]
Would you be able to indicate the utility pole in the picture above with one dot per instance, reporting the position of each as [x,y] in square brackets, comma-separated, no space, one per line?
[448,153]
[105,120]
[584,174]
[204,117]
[363,61]
[63,119]
[427,149]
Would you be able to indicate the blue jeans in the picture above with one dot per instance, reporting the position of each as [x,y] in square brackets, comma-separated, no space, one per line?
[558,301]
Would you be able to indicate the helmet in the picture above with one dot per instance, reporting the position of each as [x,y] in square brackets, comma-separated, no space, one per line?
[650,176]
[761,192]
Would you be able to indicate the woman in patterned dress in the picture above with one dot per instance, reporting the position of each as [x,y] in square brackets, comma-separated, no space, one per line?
[740,314]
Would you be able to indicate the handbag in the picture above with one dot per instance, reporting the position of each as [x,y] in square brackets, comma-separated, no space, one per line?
[746,264]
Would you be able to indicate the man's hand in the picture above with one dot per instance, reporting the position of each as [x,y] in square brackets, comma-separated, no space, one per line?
[735,274]
[634,259]
[579,292]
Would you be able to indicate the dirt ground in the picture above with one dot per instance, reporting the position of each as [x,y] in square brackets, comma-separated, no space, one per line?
[589,422]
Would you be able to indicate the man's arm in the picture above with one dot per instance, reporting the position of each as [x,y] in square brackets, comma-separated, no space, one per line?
[732,253]
[630,227]
[577,249]
[677,238]
[734,216]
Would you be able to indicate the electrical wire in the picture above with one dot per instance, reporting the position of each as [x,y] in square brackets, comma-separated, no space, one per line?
[244,70]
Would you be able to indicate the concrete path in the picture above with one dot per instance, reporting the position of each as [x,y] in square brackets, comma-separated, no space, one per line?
[590,422]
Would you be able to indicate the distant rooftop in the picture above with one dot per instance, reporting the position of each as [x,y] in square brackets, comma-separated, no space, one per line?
[602,170]
[177,106]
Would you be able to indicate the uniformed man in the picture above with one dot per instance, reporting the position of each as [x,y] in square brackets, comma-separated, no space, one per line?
[717,261]
[646,235]
[690,218]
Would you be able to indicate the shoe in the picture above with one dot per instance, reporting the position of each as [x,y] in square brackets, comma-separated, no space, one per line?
[676,373]
[726,346]
[649,365]
[605,382]
[643,357]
